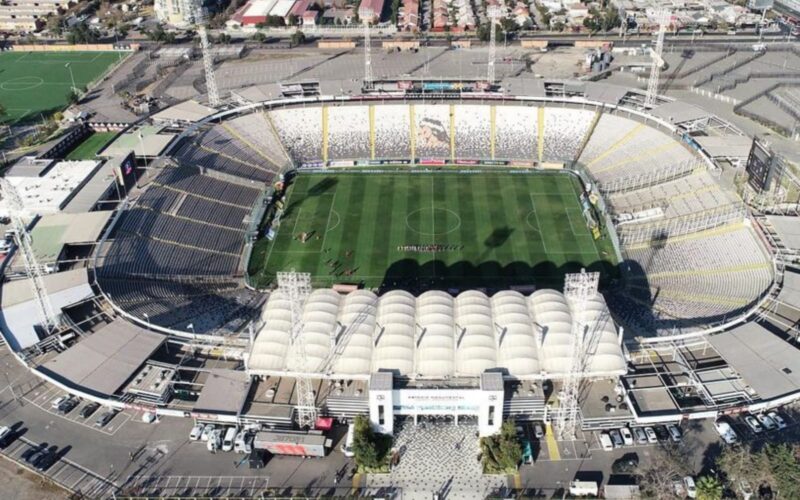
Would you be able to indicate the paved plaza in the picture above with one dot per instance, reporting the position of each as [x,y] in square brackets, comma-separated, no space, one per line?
[439,459]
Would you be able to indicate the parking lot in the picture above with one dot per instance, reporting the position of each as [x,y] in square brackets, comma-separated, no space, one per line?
[46,394]
[203,486]
[63,471]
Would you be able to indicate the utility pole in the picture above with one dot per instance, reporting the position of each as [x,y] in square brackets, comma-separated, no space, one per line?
[368,81]
[208,60]
[662,17]
[494,12]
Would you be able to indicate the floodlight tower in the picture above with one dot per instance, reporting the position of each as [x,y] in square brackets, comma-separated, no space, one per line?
[200,20]
[662,17]
[296,287]
[17,213]
[494,12]
[367,17]
[578,289]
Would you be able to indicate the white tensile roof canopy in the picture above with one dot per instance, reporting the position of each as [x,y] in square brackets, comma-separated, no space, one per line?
[436,335]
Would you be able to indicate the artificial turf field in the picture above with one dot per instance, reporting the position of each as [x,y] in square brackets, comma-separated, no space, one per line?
[87,150]
[34,83]
[493,230]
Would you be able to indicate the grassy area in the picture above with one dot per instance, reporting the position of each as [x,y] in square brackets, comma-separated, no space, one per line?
[432,230]
[35,83]
[87,150]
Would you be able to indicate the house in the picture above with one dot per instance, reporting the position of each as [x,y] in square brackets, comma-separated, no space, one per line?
[521,15]
[310,17]
[408,15]
[370,10]
[338,16]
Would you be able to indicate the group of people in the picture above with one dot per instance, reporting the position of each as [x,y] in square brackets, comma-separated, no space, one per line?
[429,248]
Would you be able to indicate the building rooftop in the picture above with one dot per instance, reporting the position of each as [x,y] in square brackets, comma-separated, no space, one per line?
[53,231]
[187,111]
[103,362]
[50,193]
[224,391]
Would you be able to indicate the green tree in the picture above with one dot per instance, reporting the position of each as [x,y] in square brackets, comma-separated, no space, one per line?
[81,33]
[224,38]
[365,444]
[502,452]
[709,488]
[785,469]
[260,37]
[291,20]
[298,38]
[73,96]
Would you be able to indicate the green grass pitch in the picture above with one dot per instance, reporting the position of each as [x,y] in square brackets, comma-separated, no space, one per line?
[34,83]
[87,150]
[492,230]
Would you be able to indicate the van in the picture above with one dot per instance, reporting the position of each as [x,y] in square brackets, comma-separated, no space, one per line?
[581,488]
[257,459]
[214,440]
[230,436]
[605,441]
[243,442]
[347,446]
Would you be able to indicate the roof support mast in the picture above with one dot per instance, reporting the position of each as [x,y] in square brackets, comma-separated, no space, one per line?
[17,213]
[578,289]
[662,18]
[208,60]
[494,12]
[368,79]
[297,287]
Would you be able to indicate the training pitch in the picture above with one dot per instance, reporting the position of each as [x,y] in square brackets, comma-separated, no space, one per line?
[88,149]
[35,83]
[432,230]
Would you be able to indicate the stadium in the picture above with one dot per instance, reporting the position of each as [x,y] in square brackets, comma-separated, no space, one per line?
[440,237]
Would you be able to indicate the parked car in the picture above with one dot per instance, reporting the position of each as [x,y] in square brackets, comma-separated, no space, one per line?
[641,437]
[538,431]
[754,425]
[243,442]
[207,431]
[605,441]
[89,409]
[46,460]
[35,454]
[214,440]
[616,438]
[779,421]
[105,418]
[196,431]
[726,432]
[627,437]
[68,405]
[57,402]
[661,432]
[651,435]
[6,436]
[148,417]
[347,446]
[689,486]
[229,438]
[766,422]
[674,433]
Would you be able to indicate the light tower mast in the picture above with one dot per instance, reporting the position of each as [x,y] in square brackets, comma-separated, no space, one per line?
[208,61]
[296,287]
[368,81]
[578,289]
[494,12]
[17,213]
[662,17]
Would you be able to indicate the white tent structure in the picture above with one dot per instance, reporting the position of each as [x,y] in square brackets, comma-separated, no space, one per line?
[437,336]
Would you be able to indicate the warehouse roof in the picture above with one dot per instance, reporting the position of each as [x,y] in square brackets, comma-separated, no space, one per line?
[53,231]
[224,391]
[726,146]
[435,335]
[186,111]
[104,361]
[769,364]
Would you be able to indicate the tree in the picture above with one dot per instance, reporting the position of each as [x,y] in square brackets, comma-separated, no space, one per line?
[740,465]
[298,38]
[81,33]
[291,20]
[502,452]
[785,469]
[709,488]
[73,96]
[370,450]
[224,38]
[55,24]
[666,463]
[260,37]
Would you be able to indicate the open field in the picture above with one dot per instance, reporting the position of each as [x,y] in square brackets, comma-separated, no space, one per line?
[34,83]
[87,150]
[432,230]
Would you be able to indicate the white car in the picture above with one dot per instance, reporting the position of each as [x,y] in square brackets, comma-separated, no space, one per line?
[779,421]
[214,440]
[615,436]
[767,422]
[196,431]
[627,437]
[674,433]
[148,417]
[57,402]
[605,441]
[691,489]
[641,437]
[207,430]
[651,435]
[754,425]
[726,432]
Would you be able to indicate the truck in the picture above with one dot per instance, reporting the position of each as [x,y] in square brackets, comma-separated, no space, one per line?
[297,443]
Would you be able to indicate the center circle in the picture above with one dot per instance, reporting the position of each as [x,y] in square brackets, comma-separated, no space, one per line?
[433,221]
[22,83]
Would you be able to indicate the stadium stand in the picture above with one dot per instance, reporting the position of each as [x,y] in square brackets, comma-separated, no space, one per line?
[516,132]
[348,132]
[432,127]
[300,131]
[472,128]
[392,131]
[564,131]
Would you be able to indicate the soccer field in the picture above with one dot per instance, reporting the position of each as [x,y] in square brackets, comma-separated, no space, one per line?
[423,230]
[34,83]
[87,150]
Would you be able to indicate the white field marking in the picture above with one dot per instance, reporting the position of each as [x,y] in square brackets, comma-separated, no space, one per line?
[328,223]
[538,222]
